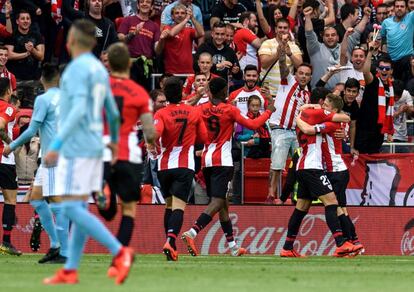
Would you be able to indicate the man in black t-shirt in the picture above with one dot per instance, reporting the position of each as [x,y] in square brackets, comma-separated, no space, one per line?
[26,49]
[351,107]
[227,11]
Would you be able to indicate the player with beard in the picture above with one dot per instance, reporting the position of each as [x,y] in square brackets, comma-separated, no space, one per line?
[240,96]
[217,161]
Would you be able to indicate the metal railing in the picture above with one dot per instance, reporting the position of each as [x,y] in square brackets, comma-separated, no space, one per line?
[154,76]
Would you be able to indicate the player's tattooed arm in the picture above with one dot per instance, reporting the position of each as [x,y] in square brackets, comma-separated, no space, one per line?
[4,137]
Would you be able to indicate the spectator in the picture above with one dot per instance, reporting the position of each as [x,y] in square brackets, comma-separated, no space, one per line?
[403,107]
[358,56]
[227,11]
[230,31]
[410,77]
[318,24]
[158,99]
[205,63]
[225,61]
[351,107]
[410,4]
[349,18]
[326,54]
[290,97]
[391,10]
[257,141]
[275,12]
[199,96]
[399,32]
[247,42]
[241,96]
[374,118]
[270,52]
[26,49]
[142,37]
[4,73]
[166,16]
[6,30]
[381,15]
[178,41]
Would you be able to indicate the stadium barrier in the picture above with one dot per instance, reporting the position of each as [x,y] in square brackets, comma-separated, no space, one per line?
[260,229]
[375,180]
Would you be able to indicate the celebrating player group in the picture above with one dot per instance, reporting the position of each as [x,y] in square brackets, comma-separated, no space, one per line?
[88,120]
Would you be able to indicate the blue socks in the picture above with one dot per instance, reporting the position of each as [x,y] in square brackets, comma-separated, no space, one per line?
[86,224]
[62,227]
[46,218]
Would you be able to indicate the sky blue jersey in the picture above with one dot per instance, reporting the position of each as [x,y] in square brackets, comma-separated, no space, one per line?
[43,120]
[85,93]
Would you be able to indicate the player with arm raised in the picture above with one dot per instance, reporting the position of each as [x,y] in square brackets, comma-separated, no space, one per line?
[217,163]
[44,120]
[77,148]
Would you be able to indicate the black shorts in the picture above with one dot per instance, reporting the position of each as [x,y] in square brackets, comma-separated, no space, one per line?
[217,180]
[176,182]
[339,181]
[124,179]
[8,177]
[313,183]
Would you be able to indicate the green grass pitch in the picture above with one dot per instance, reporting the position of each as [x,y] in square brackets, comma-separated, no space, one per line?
[220,273]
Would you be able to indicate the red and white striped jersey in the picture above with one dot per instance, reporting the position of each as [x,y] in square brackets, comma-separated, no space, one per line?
[9,75]
[240,97]
[311,155]
[332,148]
[133,101]
[243,38]
[8,114]
[290,97]
[220,120]
[179,126]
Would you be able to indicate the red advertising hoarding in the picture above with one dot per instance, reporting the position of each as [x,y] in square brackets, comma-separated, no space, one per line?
[260,229]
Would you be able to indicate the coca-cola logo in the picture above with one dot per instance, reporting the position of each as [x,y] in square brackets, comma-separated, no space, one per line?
[407,240]
[314,237]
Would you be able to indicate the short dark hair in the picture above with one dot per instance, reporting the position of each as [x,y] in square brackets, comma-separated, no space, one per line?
[304,64]
[23,11]
[217,86]
[282,20]
[310,3]
[219,24]
[250,67]
[253,97]
[352,83]
[347,10]
[2,47]
[155,93]
[4,85]
[245,15]
[50,72]
[405,1]
[398,87]
[385,59]
[118,57]
[318,93]
[173,89]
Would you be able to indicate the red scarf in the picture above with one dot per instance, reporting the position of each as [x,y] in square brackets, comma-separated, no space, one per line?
[57,10]
[262,131]
[386,112]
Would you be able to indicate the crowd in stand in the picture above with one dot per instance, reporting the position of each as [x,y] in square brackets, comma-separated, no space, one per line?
[361,50]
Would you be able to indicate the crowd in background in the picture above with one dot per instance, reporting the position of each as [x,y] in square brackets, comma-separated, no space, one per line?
[255,45]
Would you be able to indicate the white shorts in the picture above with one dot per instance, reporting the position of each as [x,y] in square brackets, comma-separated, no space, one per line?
[78,176]
[45,178]
[283,143]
